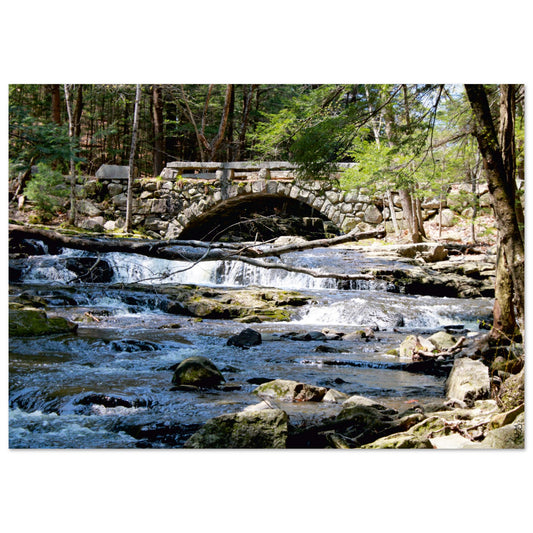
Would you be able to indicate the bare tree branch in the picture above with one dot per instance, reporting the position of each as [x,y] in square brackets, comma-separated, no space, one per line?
[195,251]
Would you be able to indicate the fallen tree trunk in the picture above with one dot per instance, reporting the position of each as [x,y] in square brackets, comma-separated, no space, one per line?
[193,251]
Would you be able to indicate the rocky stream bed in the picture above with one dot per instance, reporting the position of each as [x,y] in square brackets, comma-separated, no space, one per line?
[224,355]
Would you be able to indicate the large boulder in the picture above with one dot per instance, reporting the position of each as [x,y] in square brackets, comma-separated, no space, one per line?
[32,322]
[245,339]
[90,269]
[290,391]
[266,428]
[448,218]
[512,392]
[509,436]
[197,371]
[468,381]
[442,340]
[365,420]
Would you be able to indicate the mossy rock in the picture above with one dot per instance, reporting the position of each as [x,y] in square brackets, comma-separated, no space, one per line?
[197,371]
[32,322]
[512,393]
[247,305]
[509,364]
[442,340]
[291,391]
[400,440]
[506,437]
[248,429]
[408,346]
[432,426]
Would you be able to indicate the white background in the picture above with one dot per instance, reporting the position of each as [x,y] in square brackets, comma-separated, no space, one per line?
[274,41]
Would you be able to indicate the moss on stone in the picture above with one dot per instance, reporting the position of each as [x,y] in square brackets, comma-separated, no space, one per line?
[32,322]
[197,371]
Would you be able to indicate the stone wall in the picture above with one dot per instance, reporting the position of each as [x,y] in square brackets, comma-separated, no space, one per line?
[166,205]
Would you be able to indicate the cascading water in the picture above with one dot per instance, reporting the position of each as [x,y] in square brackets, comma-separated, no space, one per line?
[109,385]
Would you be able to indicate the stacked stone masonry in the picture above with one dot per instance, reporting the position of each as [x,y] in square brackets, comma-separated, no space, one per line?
[185,191]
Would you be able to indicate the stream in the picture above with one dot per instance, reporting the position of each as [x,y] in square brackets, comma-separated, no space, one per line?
[108,385]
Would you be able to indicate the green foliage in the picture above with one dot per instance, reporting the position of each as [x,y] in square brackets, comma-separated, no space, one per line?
[46,190]
[312,129]
[32,141]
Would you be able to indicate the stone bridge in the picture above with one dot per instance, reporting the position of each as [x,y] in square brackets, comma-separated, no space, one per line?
[193,200]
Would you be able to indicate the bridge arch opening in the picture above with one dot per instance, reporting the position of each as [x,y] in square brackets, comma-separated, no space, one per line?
[261,217]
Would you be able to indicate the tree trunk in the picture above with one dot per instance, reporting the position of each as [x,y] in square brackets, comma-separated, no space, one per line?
[68,100]
[504,322]
[247,102]
[157,121]
[392,212]
[409,216]
[132,158]
[213,146]
[56,103]
[502,189]
[193,122]
[78,112]
[411,223]
[230,152]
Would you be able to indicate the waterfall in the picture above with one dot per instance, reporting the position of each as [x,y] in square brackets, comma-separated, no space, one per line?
[134,268]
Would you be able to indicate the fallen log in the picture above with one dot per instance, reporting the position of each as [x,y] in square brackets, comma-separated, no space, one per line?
[421,355]
[194,251]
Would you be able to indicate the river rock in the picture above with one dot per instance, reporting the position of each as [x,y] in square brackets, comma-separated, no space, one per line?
[290,391]
[245,339]
[442,340]
[263,428]
[134,345]
[90,269]
[105,400]
[468,381]
[309,336]
[503,419]
[399,440]
[509,436]
[363,401]
[412,343]
[32,322]
[509,364]
[512,392]
[324,348]
[243,305]
[364,420]
[197,371]
[335,396]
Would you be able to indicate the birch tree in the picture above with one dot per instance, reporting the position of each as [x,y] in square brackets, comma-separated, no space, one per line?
[131,177]
[72,167]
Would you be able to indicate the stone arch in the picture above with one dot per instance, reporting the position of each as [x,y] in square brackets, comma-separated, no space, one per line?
[196,218]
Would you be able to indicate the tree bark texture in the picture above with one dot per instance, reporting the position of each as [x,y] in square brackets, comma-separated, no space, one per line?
[502,189]
[131,176]
[157,121]
[72,168]
[56,103]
